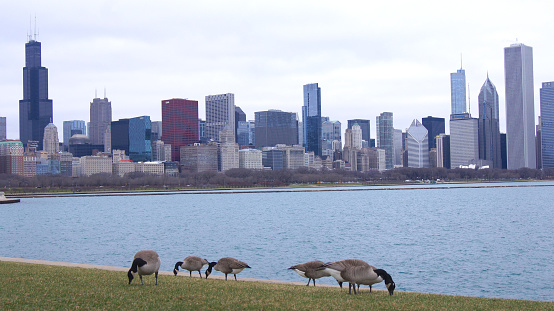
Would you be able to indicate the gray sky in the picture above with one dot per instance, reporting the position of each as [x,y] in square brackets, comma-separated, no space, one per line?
[367,57]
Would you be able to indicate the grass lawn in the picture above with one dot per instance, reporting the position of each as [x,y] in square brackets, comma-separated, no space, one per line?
[40,287]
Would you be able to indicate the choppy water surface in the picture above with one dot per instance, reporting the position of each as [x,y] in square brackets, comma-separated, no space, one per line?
[488,242]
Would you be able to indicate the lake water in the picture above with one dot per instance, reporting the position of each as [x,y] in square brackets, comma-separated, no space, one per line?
[488,242]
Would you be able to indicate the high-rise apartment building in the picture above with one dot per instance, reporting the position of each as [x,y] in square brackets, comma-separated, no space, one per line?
[228,151]
[458,91]
[220,114]
[520,108]
[274,127]
[156,130]
[418,149]
[2,128]
[464,140]
[71,128]
[365,125]
[331,130]
[133,136]
[35,109]
[489,125]
[180,124]
[100,119]
[434,126]
[11,157]
[356,136]
[311,118]
[547,124]
[385,136]
[51,142]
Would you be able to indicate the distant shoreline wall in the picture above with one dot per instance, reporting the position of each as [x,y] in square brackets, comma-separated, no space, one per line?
[272,190]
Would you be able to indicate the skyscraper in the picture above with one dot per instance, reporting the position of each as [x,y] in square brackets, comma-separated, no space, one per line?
[100,119]
[385,136]
[311,118]
[35,109]
[51,142]
[274,127]
[364,125]
[418,151]
[133,136]
[458,91]
[220,114]
[434,126]
[547,124]
[489,130]
[464,140]
[520,108]
[180,124]
[71,128]
[2,128]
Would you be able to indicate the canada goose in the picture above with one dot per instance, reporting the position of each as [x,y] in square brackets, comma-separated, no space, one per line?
[145,263]
[334,268]
[227,265]
[359,274]
[309,270]
[191,263]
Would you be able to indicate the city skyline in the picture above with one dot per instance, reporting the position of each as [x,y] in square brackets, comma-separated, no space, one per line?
[357,79]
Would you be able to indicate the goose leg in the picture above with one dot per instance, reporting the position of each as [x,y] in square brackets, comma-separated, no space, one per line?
[200,273]
[190,273]
[350,289]
[314,282]
[308,282]
[370,288]
[235,276]
[141,282]
[225,276]
[156,277]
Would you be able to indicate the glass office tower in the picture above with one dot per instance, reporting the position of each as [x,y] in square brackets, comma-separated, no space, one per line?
[547,124]
[311,119]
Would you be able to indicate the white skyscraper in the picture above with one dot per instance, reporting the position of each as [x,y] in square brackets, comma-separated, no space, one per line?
[520,107]
[464,140]
[418,145]
[51,143]
[220,114]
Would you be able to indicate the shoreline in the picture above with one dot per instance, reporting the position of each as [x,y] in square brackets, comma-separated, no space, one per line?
[279,190]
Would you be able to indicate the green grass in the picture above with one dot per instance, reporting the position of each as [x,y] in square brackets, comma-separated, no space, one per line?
[41,287]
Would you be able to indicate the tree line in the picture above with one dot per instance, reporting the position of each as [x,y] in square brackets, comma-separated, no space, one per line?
[244,178]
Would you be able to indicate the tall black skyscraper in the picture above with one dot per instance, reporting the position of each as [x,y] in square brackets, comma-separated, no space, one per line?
[35,109]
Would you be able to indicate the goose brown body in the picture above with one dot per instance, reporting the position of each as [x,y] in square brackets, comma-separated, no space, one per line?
[227,265]
[145,263]
[310,270]
[191,263]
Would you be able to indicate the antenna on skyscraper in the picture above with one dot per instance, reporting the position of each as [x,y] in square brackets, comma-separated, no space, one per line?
[35,34]
[104,92]
[461,62]
[95,93]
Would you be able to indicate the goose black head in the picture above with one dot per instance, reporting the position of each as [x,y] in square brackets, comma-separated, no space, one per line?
[209,270]
[389,283]
[177,265]
[130,275]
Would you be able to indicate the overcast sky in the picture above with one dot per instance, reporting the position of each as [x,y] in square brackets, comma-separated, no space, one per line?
[367,56]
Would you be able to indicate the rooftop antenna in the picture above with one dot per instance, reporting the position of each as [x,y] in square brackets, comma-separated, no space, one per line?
[35,34]
[461,62]
[104,92]
[95,93]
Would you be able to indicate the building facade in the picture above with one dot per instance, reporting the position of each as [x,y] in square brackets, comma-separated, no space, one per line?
[547,124]
[417,141]
[489,125]
[385,136]
[458,91]
[180,124]
[520,107]
[133,136]
[100,119]
[2,128]
[35,109]
[51,143]
[274,127]
[11,157]
[220,114]
[365,125]
[199,158]
[464,140]
[311,118]
[250,159]
[434,126]
[71,128]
